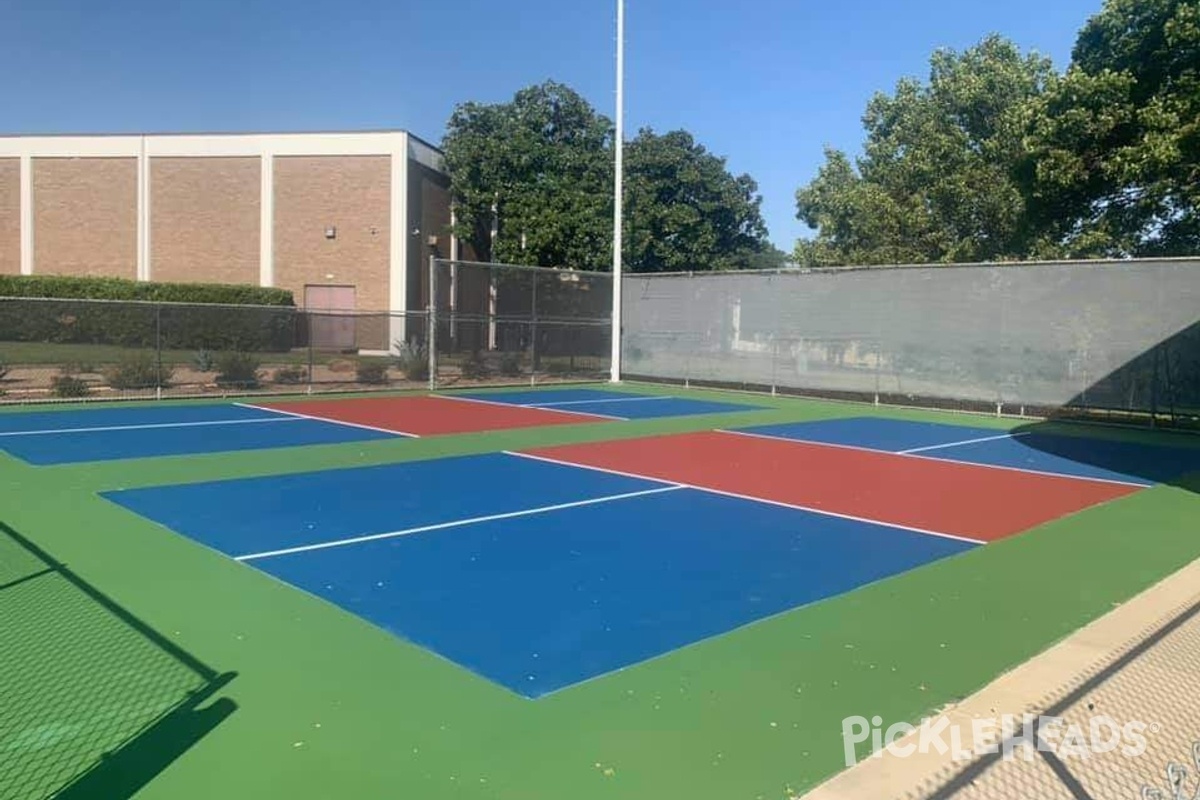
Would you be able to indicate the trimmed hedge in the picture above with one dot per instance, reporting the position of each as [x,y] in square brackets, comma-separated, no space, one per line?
[199,317]
[62,287]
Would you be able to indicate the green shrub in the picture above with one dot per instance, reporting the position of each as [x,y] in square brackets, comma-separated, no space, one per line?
[475,368]
[139,371]
[204,360]
[372,372]
[510,365]
[290,376]
[237,371]
[559,367]
[68,386]
[205,326]
[80,288]
[76,367]
[412,361]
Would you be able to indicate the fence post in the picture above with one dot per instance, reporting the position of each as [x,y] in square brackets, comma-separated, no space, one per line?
[533,332]
[311,356]
[1153,387]
[775,282]
[158,374]
[431,322]
[492,343]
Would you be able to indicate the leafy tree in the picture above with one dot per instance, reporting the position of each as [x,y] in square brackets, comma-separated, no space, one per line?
[541,162]
[1114,162]
[770,257]
[937,180]
[686,211]
[544,163]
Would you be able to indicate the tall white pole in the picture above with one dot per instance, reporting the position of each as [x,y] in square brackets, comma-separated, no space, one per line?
[618,196]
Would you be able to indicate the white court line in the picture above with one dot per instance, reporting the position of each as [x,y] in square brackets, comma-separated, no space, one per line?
[1044,473]
[514,405]
[590,402]
[459,523]
[145,427]
[735,495]
[298,415]
[964,442]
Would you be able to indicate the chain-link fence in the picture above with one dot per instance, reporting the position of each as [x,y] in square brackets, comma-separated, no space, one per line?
[497,324]
[95,702]
[1117,337]
[1109,336]
[94,349]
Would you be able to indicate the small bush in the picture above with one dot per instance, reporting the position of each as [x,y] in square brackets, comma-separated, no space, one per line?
[237,371]
[77,367]
[412,361]
[475,368]
[558,368]
[510,365]
[68,386]
[204,361]
[290,376]
[140,371]
[372,372]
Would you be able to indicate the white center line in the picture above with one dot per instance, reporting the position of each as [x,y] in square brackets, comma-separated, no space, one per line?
[458,523]
[964,442]
[148,426]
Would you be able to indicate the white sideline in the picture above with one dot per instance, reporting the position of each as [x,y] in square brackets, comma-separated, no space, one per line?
[1044,473]
[513,405]
[736,496]
[457,523]
[145,427]
[329,421]
[590,402]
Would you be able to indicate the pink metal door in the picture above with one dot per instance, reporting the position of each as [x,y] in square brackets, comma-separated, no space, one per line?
[331,316]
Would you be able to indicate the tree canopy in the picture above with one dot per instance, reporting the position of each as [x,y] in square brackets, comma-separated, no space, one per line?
[542,167]
[537,161]
[938,177]
[999,157]
[685,210]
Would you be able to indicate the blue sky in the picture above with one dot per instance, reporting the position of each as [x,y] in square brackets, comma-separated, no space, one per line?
[766,83]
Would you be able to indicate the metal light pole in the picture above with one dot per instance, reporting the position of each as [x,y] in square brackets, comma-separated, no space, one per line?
[618,147]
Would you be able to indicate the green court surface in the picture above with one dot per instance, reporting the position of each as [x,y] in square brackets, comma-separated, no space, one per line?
[200,677]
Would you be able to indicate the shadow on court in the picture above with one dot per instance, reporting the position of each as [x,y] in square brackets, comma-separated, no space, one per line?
[1148,455]
[95,702]
[1135,454]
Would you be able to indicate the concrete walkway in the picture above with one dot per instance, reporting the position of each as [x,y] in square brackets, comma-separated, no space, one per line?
[1138,664]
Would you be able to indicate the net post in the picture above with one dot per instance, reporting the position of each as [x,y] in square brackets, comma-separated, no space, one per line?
[431,322]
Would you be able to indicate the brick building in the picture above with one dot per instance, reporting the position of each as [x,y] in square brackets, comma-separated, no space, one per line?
[346,221]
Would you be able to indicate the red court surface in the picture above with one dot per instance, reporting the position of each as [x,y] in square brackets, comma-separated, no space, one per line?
[968,501]
[429,416]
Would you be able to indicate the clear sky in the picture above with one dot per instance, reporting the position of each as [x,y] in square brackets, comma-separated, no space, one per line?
[766,83]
